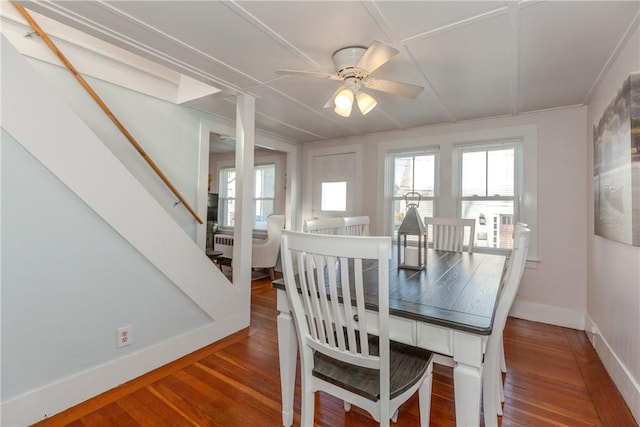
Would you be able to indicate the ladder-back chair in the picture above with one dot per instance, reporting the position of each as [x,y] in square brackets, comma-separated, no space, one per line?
[449,233]
[341,353]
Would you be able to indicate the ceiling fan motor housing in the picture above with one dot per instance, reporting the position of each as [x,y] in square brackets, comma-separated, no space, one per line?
[345,60]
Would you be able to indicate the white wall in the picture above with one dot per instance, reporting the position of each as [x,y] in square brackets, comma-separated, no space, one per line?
[613,290]
[554,289]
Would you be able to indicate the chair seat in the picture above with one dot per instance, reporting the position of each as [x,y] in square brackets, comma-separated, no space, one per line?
[407,365]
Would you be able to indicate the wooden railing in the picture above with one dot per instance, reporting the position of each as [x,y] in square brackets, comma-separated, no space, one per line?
[45,38]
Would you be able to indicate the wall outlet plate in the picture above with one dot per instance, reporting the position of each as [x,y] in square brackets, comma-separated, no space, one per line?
[124,336]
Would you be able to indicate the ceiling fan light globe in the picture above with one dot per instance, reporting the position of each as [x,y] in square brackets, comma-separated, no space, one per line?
[366,102]
[344,112]
[344,100]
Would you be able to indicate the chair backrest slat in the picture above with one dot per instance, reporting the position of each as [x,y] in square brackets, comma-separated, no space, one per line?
[449,233]
[342,226]
[356,225]
[325,226]
[348,312]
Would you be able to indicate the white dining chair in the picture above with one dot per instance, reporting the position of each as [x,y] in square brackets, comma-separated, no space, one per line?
[503,363]
[325,226]
[341,353]
[449,233]
[492,391]
[356,225]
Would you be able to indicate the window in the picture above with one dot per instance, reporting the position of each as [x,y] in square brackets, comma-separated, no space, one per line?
[334,196]
[507,166]
[263,197]
[227,198]
[412,173]
[488,189]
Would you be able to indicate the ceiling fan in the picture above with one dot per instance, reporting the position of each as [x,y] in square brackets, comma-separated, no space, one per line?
[354,66]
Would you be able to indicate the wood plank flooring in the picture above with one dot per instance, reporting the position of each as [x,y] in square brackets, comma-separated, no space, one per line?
[554,379]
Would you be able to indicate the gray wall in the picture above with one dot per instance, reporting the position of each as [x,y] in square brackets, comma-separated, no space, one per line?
[69,281]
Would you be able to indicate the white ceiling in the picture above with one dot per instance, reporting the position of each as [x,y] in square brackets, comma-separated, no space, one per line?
[475,58]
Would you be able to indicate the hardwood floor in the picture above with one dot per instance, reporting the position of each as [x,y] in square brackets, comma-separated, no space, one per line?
[554,379]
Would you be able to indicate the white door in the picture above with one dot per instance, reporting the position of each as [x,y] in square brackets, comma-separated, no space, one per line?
[334,185]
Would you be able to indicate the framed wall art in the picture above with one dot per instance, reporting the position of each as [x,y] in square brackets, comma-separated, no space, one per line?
[616,173]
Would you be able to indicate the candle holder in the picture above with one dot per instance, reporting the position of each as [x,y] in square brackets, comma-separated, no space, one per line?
[409,256]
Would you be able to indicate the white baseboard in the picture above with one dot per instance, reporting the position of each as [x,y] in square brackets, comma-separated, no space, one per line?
[548,314]
[622,378]
[36,405]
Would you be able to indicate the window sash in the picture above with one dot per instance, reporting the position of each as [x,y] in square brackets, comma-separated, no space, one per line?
[397,206]
[498,207]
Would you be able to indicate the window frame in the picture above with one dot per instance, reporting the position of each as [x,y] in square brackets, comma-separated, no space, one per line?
[444,139]
[486,146]
[223,199]
[390,180]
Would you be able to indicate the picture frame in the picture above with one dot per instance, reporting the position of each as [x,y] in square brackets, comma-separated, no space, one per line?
[616,176]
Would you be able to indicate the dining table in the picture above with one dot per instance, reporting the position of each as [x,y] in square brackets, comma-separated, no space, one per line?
[448,307]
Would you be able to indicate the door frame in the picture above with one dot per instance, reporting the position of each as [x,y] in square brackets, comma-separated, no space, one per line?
[307,202]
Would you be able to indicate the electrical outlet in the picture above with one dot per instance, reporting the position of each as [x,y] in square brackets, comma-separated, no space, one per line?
[124,336]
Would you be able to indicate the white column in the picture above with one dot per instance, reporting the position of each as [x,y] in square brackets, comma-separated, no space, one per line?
[245,144]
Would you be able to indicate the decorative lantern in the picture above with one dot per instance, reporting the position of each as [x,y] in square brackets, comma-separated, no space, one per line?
[409,256]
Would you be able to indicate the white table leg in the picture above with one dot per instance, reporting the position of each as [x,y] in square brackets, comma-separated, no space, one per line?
[467,378]
[287,352]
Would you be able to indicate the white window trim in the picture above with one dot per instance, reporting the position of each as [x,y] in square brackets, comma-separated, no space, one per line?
[445,206]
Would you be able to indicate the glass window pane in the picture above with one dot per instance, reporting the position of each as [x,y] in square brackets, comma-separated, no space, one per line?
[414,173]
[264,181]
[500,173]
[229,216]
[228,183]
[334,196]
[494,222]
[263,208]
[474,173]
[424,175]
[403,176]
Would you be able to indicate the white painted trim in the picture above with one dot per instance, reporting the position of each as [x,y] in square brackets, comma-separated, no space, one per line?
[73,390]
[206,128]
[242,233]
[548,314]
[623,379]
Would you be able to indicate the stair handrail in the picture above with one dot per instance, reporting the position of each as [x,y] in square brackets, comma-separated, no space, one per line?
[105,108]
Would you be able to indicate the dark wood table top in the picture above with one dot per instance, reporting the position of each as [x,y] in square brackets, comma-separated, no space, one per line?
[457,290]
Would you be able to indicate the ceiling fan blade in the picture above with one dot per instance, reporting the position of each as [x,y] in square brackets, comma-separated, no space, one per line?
[329,103]
[309,74]
[376,55]
[396,88]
